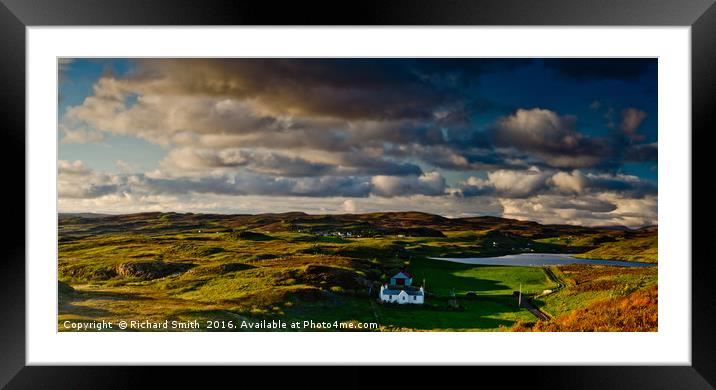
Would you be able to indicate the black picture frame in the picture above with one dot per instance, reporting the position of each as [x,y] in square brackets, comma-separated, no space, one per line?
[16,15]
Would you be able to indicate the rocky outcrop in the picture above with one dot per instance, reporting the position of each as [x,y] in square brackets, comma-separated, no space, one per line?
[151,269]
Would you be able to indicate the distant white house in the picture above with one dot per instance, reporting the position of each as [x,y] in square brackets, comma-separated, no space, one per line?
[401,290]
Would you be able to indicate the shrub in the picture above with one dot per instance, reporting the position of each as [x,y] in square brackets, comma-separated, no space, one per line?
[636,312]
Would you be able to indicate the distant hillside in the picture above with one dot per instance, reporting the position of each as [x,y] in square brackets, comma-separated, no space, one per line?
[643,248]
[370,224]
[81,215]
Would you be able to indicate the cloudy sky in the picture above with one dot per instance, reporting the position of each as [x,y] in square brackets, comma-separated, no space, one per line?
[552,140]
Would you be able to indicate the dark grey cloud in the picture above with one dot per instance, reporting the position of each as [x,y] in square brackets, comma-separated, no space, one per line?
[249,184]
[325,186]
[551,137]
[378,89]
[88,191]
[258,161]
[431,183]
[628,185]
[277,163]
[78,181]
[358,161]
[555,141]
[397,108]
[590,204]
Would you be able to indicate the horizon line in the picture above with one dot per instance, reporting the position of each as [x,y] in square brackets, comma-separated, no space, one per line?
[373,212]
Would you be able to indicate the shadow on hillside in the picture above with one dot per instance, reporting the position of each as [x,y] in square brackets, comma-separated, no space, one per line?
[477,313]
[76,302]
[442,278]
[83,311]
[480,313]
[85,295]
[480,285]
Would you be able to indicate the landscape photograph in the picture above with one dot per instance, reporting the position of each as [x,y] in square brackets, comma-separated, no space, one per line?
[357,195]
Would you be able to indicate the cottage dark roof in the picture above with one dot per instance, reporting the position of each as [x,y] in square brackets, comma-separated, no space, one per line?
[409,291]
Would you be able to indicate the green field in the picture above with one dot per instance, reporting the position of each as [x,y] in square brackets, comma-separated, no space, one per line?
[296,267]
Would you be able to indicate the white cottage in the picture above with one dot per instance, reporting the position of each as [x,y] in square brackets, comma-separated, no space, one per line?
[401,290]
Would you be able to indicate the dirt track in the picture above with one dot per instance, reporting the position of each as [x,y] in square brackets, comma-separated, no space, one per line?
[529,306]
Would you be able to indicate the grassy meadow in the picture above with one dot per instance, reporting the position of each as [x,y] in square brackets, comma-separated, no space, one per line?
[299,267]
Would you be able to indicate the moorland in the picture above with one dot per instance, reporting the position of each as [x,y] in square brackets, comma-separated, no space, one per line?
[299,267]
